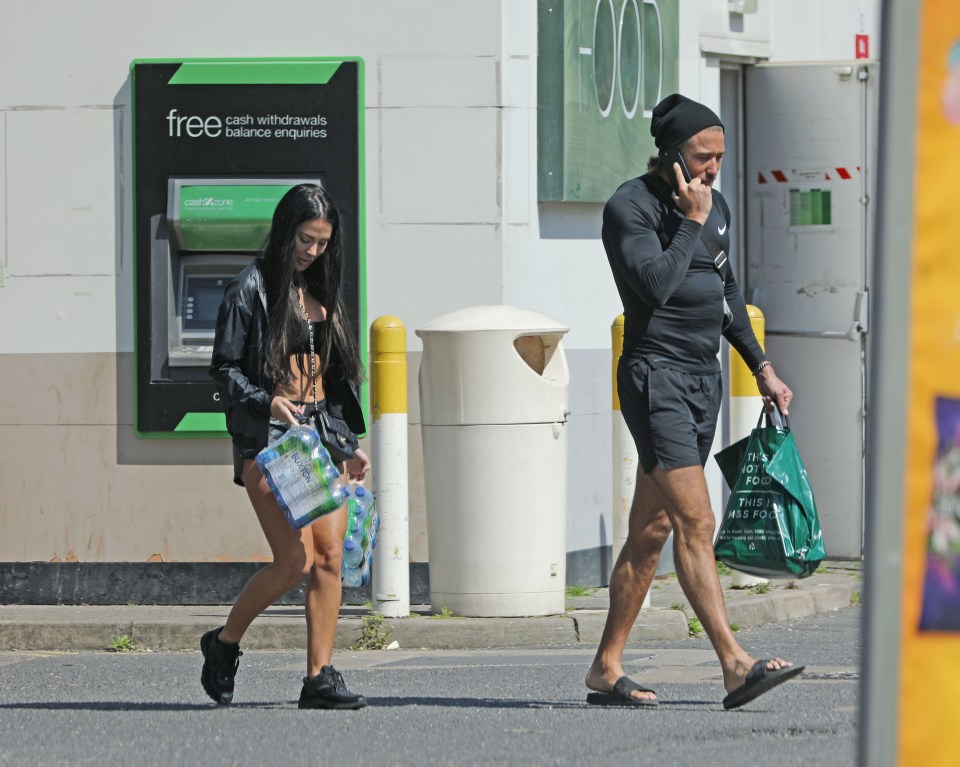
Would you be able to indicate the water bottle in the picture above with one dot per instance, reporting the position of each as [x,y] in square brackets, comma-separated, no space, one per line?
[330,472]
[364,499]
[355,511]
[339,491]
[355,531]
[329,475]
[360,537]
[307,437]
[322,456]
[353,554]
[367,510]
[357,576]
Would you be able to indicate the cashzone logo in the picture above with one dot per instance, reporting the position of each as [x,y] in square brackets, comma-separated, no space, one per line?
[208,202]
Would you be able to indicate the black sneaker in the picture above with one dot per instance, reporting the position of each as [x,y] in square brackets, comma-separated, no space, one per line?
[220,664]
[328,690]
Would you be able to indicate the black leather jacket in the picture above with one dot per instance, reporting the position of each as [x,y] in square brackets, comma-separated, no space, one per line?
[236,367]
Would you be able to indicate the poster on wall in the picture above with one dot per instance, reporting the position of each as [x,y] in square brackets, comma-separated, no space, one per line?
[940,609]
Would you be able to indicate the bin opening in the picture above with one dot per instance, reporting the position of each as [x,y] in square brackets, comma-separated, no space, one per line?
[539,352]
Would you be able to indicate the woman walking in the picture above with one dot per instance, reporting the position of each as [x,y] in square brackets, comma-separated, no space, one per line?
[284,348]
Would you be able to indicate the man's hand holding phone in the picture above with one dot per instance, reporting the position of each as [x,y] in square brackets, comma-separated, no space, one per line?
[691,195]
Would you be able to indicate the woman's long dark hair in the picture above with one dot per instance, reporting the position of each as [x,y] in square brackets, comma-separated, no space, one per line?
[285,325]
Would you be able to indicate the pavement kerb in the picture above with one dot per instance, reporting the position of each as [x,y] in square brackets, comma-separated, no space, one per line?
[54,628]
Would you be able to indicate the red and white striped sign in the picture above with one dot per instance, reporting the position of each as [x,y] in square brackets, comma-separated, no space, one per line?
[793,176]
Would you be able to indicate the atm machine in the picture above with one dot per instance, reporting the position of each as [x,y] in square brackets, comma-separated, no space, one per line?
[212,228]
[216,144]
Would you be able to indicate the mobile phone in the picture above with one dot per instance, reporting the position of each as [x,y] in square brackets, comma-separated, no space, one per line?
[670,156]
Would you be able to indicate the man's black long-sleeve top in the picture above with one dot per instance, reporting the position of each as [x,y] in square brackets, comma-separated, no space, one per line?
[671,291]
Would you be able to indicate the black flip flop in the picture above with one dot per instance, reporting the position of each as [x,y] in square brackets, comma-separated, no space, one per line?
[760,679]
[621,695]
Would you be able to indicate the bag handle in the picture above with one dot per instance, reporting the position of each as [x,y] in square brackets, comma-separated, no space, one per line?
[775,419]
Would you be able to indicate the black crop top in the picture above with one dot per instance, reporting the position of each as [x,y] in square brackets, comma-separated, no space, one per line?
[302,346]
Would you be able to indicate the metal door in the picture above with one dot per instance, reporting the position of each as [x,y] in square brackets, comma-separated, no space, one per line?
[810,150]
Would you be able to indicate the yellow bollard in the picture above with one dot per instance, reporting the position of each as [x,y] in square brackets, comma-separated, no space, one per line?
[745,406]
[742,381]
[624,457]
[388,405]
[616,333]
[388,367]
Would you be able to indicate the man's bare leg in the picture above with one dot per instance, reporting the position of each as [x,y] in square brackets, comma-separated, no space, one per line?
[632,575]
[687,503]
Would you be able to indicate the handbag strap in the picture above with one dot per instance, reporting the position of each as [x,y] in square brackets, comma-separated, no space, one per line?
[313,354]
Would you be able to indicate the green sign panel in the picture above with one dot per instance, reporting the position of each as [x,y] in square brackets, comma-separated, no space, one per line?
[603,66]
[227,217]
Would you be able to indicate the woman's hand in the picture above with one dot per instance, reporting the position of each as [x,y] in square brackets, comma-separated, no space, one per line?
[773,390]
[285,411]
[358,466]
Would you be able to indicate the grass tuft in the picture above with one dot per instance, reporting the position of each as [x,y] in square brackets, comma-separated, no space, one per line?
[122,643]
[374,633]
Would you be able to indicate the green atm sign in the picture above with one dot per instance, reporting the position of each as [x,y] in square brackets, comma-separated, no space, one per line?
[227,217]
[603,66]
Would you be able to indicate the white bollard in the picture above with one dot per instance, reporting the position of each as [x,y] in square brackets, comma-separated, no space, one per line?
[624,480]
[388,403]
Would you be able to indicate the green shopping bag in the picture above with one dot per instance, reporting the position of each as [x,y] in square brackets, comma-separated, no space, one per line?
[770,526]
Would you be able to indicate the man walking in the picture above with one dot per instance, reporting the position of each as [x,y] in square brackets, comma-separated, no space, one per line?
[666,235]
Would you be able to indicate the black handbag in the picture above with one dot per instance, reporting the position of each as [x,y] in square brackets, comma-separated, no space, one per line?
[335,435]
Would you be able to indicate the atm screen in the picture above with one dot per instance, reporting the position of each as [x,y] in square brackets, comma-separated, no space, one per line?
[201,301]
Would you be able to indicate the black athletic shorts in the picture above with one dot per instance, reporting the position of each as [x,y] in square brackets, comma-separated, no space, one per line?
[671,414]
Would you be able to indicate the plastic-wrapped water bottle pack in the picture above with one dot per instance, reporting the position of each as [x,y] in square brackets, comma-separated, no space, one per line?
[305,482]
[361,537]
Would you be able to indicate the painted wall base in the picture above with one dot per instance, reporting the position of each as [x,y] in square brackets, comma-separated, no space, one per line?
[213,583]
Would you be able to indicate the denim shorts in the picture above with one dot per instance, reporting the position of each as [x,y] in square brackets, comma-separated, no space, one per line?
[671,414]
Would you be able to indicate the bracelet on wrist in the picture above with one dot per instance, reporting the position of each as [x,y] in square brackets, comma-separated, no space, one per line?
[761,366]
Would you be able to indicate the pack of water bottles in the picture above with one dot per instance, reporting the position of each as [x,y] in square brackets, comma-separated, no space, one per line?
[305,482]
[361,536]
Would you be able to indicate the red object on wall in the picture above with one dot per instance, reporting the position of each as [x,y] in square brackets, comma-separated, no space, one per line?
[862,43]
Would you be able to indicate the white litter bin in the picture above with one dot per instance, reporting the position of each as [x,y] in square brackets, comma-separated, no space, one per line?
[493,407]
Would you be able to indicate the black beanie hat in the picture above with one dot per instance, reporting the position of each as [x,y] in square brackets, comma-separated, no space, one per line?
[677,118]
